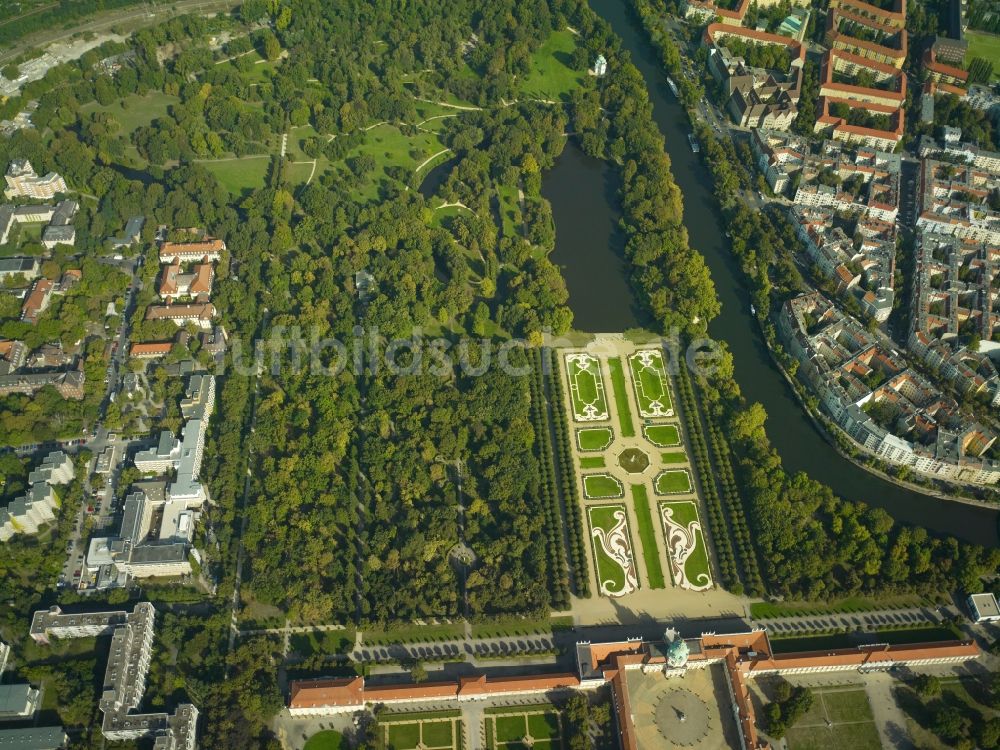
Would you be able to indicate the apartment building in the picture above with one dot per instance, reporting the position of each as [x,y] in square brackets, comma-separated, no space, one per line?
[37,301]
[34,738]
[941,72]
[755,97]
[779,156]
[154,539]
[888,409]
[132,635]
[58,218]
[861,264]
[24,183]
[29,512]
[174,284]
[11,268]
[199,313]
[868,32]
[955,200]
[153,350]
[60,230]
[68,383]
[954,300]
[184,454]
[952,148]
[204,250]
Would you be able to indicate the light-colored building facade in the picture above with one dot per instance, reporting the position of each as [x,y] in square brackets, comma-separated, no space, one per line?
[132,636]
[24,183]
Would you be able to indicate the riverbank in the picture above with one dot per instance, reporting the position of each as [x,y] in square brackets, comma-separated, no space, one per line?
[824,428]
[799,441]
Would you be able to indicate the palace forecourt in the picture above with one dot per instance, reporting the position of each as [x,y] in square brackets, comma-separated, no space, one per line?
[666,666]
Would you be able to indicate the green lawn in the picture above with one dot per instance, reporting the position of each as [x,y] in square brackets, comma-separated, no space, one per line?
[510,211]
[621,397]
[322,642]
[429,729]
[602,486]
[688,553]
[326,740]
[543,726]
[662,435]
[134,111]
[519,626]
[505,729]
[838,717]
[403,736]
[389,147]
[298,173]
[673,458]
[409,633]
[550,76]
[586,388]
[763,610]
[986,46]
[594,438]
[613,556]
[592,462]
[438,734]
[647,537]
[649,379]
[673,482]
[238,175]
[847,705]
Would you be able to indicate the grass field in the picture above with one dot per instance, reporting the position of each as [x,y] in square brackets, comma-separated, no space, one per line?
[594,438]
[404,634]
[621,397]
[613,556]
[662,435]
[508,730]
[322,642]
[673,458]
[986,46]
[550,76]
[518,626]
[647,537]
[298,173]
[649,379]
[389,147]
[134,111]
[426,731]
[592,462]
[238,175]
[686,549]
[838,718]
[510,210]
[601,486]
[326,740]
[763,610]
[673,482]
[586,388]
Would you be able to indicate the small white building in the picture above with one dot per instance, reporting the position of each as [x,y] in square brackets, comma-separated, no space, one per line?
[984,608]
[600,66]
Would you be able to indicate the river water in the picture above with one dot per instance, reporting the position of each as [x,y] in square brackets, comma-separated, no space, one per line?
[589,248]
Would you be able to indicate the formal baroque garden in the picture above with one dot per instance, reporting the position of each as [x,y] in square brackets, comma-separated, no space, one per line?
[613,462]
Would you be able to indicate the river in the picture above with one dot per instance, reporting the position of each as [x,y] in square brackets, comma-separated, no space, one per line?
[588,246]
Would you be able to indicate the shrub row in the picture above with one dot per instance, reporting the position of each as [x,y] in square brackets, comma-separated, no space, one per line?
[556,548]
[571,503]
[710,493]
[734,505]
